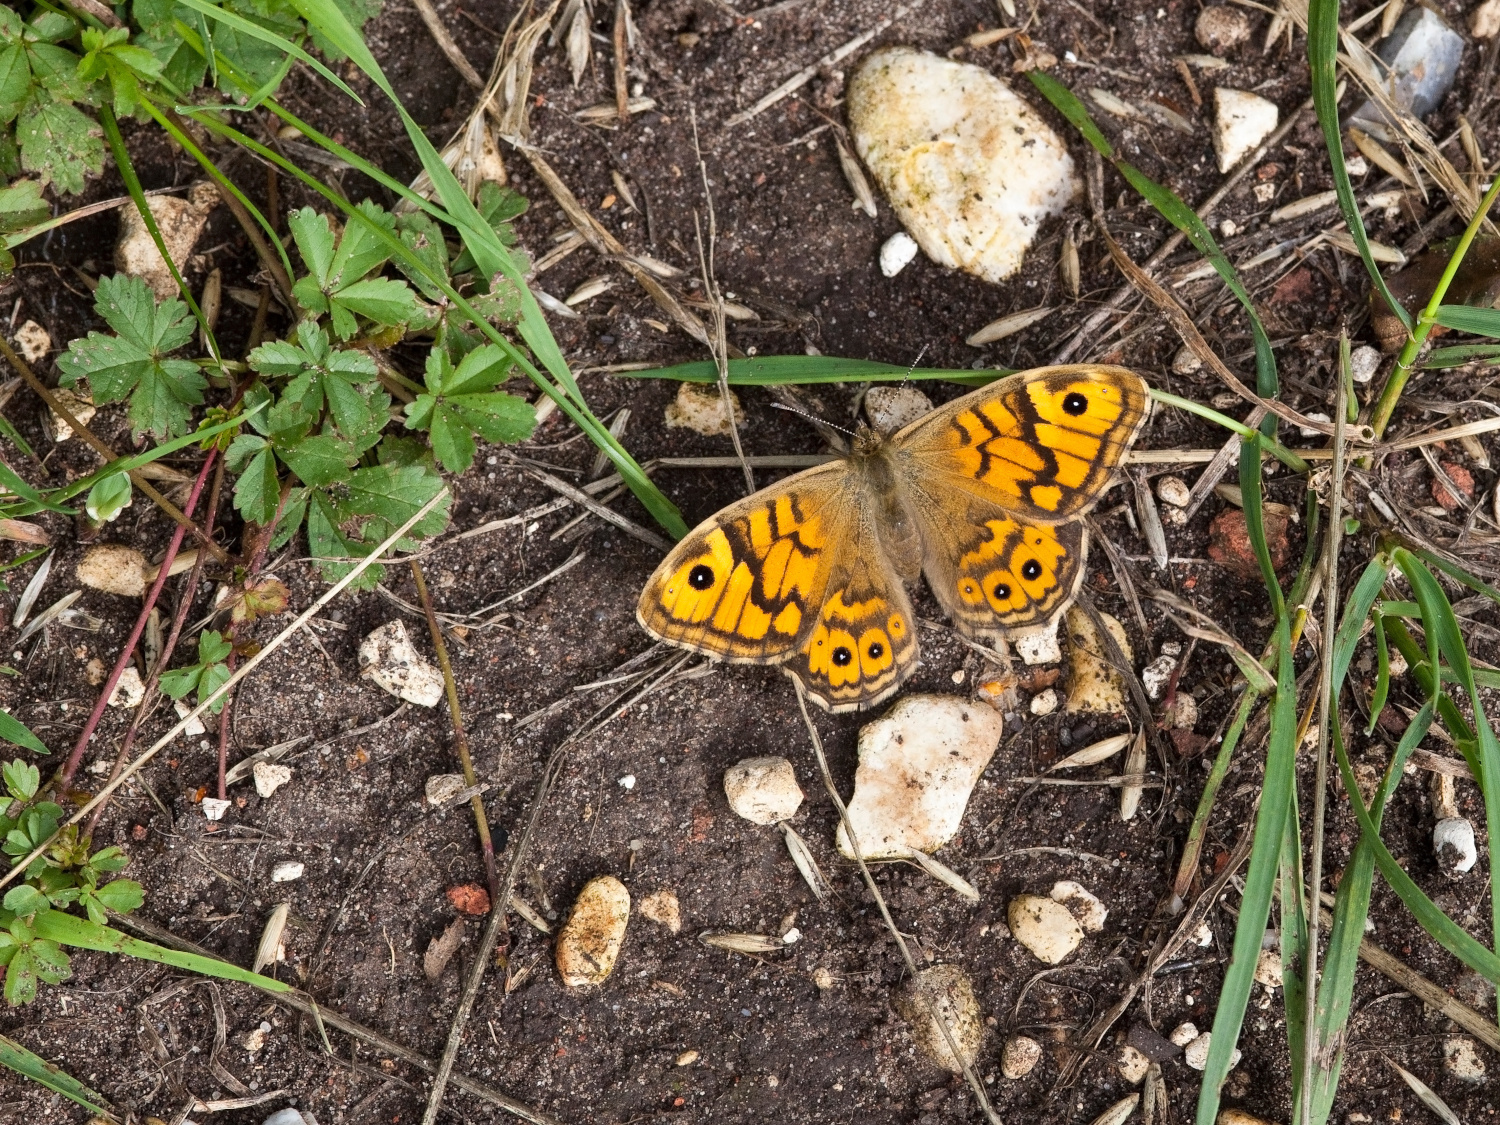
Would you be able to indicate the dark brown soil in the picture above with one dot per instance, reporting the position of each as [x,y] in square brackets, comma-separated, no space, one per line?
[771,1045]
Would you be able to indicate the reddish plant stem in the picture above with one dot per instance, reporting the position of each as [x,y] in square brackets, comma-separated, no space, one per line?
[179,619]
[65,778]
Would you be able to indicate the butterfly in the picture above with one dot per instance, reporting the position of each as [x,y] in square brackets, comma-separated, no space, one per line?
[985,496]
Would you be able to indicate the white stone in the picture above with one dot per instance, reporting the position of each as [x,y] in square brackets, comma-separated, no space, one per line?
[1094,686]
[897,253]
[1183,713]
[763,790]
[129,690]
[1313,416]
[662,908]
[113,569]
[687,1058]
[1044,702]
[288,1117]
[180,222]
[1484,22]
[1195,1053]
[1157,675]
[1364,361]
[194,726]
[1268,968]
[1132,1065]
[1174,491]
[214,809]
[627,782]
[1186,361]
[917,765]
[699,407]
[1461,1059]
[1203,937]
[81,406]
[443,787]
[1020,1056]
[1221,28]
[1241,121]
[1089,912]
[1039,645]
[270,776]
[1184,1033]
[952,994]
[590,941]
[792,936]
[1453,844]
[969,167]
[1045,927]
[33,341]
[891,408]
[389,659]
[287,871]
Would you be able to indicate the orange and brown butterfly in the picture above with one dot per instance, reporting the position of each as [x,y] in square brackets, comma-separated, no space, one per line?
[985,496]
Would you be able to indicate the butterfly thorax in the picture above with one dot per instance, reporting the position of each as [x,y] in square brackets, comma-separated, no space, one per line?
[872,459]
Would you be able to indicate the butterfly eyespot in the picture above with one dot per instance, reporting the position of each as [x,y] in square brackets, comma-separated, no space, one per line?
[1075,404]
[1031,570]
[1002,592]
[701,577]
[842,656]
[876,650]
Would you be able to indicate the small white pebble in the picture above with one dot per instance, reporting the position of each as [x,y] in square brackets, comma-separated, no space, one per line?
[1364,361]
[213,808]
[1313,416]
[1044,702]
[687,1058]
[958,677]
[1133,1065]
[287,871]
[772,1081]
[1184,1034]
[792,936]
[628,781]
[1462,1059]
[1174,491]
[897,253]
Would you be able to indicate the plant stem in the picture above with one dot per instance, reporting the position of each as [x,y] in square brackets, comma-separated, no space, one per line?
[1385,406]
[70,767]
[460,738]
[1276,449]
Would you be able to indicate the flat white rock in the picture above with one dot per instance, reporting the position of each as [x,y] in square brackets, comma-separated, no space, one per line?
[1039,644]
[891,408]
[970,169]
[700,408]
[287,871]
[1462,1060]
[1241,121]
[1453,844]
[443,787]
[270,776]
[952,994]
[389,659]
[113,569]
[1045,927]
[180,222]
[590,942]
[917,765]
[1086,909]
[763,790]
[194,726]
[664,909]
[1132,1065]
[1020,1056]
[129,690]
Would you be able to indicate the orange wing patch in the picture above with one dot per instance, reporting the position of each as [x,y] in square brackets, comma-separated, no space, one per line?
[861,648]
[1017,575]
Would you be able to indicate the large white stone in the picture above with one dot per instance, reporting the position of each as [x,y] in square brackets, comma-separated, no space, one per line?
[917,766]
[1241,121]
[590,942]
[970,168]
[763,790]
[389,659]
[1095,686]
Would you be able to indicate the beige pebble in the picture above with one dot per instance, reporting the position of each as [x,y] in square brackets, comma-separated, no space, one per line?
[1184,1033]
[1241,121]
[270,776]
[1019,1057]
[590,941]
[687,1058]
[1174,491]
[1044,702]
[1048,929]
[1221,28]
[33,341]
[1132,1065]
[113,569]
[1268,968]
[129,690]
[1240,1117]
[180,222]
[1461,1059]
[952,995]
[388,659]
[891,408]
[443,787]
[1183,713]
[662,908]
[698,407]
[1094,686]
[1089,912]
[763,790]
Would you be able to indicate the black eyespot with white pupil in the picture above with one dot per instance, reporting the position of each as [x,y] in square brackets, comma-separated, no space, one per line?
[876,650]
[1031,570]
[842,656]
[1002,592]
[1075,404]
[701,577]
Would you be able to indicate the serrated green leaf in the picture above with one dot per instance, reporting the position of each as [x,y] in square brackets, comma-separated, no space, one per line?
[121,895]
[21,779]
[25,900]
[314,239]
[179,681]
[392,495]
[55,69]
[214,677]
[15,79]
[361,250]
[21,205]
[212,647]
[258,489]
[109,859]
[278,357]
[58,143]
[20,978]
[318,461]
[382,299]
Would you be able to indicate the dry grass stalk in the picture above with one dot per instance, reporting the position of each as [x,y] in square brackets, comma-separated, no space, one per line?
[802,856]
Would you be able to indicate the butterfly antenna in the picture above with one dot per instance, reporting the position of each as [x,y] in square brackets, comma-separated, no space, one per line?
[913,366]
[813,418]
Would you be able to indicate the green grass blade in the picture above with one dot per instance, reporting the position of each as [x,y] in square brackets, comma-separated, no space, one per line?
[1322,60]
[265,35]
[81,933]
[1067,104]
[1467,318]
[13,435]
[780,370]
[13,730]
[33,1066]
[1293,944]
[1382,674]
[1363,597]
[1251,498]
[38,503]
[1457,356]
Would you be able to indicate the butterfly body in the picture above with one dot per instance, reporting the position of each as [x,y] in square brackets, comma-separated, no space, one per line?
[985,496]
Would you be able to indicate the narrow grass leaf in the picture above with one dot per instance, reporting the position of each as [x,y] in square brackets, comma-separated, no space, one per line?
[39,1070]
[256,31]
[1382,674]
[1294,935]
[1428,1096]
[1467,318]
[1440,358]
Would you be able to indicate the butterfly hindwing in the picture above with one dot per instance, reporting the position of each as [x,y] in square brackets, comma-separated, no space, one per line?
[1041,445]
[746,585]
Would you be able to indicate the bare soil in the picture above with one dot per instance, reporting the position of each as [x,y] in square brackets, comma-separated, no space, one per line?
[771,1046]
